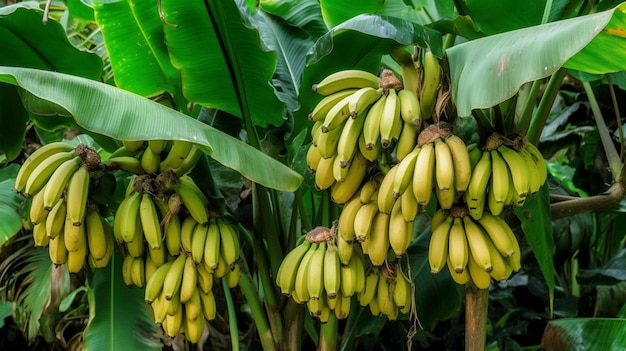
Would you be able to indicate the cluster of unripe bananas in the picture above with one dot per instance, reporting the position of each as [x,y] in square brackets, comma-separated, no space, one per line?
[325,273]
[473,249]
[57,176]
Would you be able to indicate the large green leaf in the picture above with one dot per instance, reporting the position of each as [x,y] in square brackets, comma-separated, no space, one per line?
[489,70]
[485,14]
[120,318]
[304,14]
[10,204]
[220,59]
[135,43]
[578,334]
[612,272]
[116,113]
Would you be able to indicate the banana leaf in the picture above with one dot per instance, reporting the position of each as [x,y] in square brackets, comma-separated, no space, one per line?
[113,112]
[10,204]
[304,14]
[120,318]
[487,71]
[578,334]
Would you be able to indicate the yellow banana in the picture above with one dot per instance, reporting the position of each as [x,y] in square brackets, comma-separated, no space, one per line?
[476,191]
[150,221]
[407,140]
[369,189]
[37,157]
[193,198]
[179,151]
[438,246]
[323,107]
[332,271]
[149,267]
[518,170]
[539,161]
[374,309]
[370,154]
[340,192]
[385,298]
[499,178]
[315,279]
[371,126]
[378,244]
[345,250]
[337,116]
[404,174]
[402,292]
[461,162]
[347,144]
[135,246]
[77,191]
[534,173]
[458,252]
[154,284]
[127,274]
[444,167]
[104,261]
[188,280]
[445,198]
[494,206]
[358,265]
[194,329]
[57,250]
[172,305]
[198,243]
[212,246]
[186,233]
[229,242]
[150,161]
[302,276]
[479,276]
[500,234]
[346,79]
[133,145]
[348,280]
[173,278]
[501,271]
[477,243]
[55,221]
[386,197]
[209,308]
[324,177]
[399,234]
[328,142]
[58,180]
[286,276]
[157,145]
[138,272]
[96,236]
[409,205]
[39,235]
[193,307]
[343,309]
[362,99]
[38,213]
[363,220]
[460,278]
[313,158]
[423,174]
[345,227]
[430,84]
[173,323]
[128,211]
[76,259]
[410,107]
[205,279]
[158,309]
[390,117]
[75,237]
[173,235]
[368,294]
[43,171]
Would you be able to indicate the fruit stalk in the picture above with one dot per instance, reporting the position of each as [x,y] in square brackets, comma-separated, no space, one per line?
[476,303]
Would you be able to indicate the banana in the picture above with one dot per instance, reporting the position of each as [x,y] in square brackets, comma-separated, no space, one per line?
[409,205]
[438,246]
[302,276]
[479,276]
[323,107]
[173,235]
[396,130]
[133,145]
[444,166]
[343,309]
[345,250]
[370,154]
[423,174]
[459,278]
[173,278]
[150,266]
[341,192]
[410,107]
[358,265]
[55,220]
[458,252]
[332,271]
[494,206]
[76,259]
[286,276]
[316,307]
[368,294]
[229,242]
[173,305]
[57,250]
[198,241]
[347,144]
[539,161]
[104,261]
[337,116]
[315,279]
[438,217]
[44,170]
[374,309]
[410,75]
[316,130]
[518,170]
[500,234]
[96,236]
[157,145]
[461,162]
[37,157]
[150,221]
[75,237]
[313,158]
[477,243]
[362,99]
[340,173]
[173,323]
[138,272]
[400,231]
[189,162]
[327,143]
[150,161]
[135,246]
[154,284]
[188,280]
[499,178]
[371,126]
[128,213]
[39,235]
[127,274]
[534,173]
[404,175]
[58,180]
[346,79]
[345,228]
[475,153]
[386,197]
[77,191]
[193,198]
[212,246]
[324,177]
[364,219]
[194,329]
[402,292]
[209,308]
[407,140]
[390,117]
[186,233]
[178,152]
[38,213]
[128,164]
[445,198]
[501,270]
[430,84]
[385,297]
[378,244]
[205,279]
[348,279]
[479,181]
[158,309]
[193,307]
[368,190]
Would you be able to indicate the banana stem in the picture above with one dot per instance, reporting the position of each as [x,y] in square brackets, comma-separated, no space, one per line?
[258,312]
[618,118]
[299,199]
[268,287]
[293,334]
[232,317]
[476,304]
[529,106]
[615,163]
[329,334]
[545,105]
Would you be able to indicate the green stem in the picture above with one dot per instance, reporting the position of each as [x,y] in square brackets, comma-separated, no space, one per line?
[609,149]
[232,316]
[449,42]
[618,118]
[529,106]
[258,312]
[546,12]
[304,217]
[271,231]
[267,283]
[545,105]
[329,334]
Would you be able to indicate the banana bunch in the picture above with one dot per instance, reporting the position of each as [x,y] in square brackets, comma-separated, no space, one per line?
[154,156]
[316,274]
[179,292]
[387,291]
[473,249]
[503,176]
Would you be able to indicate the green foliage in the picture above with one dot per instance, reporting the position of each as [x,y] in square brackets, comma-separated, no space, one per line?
[10,204]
